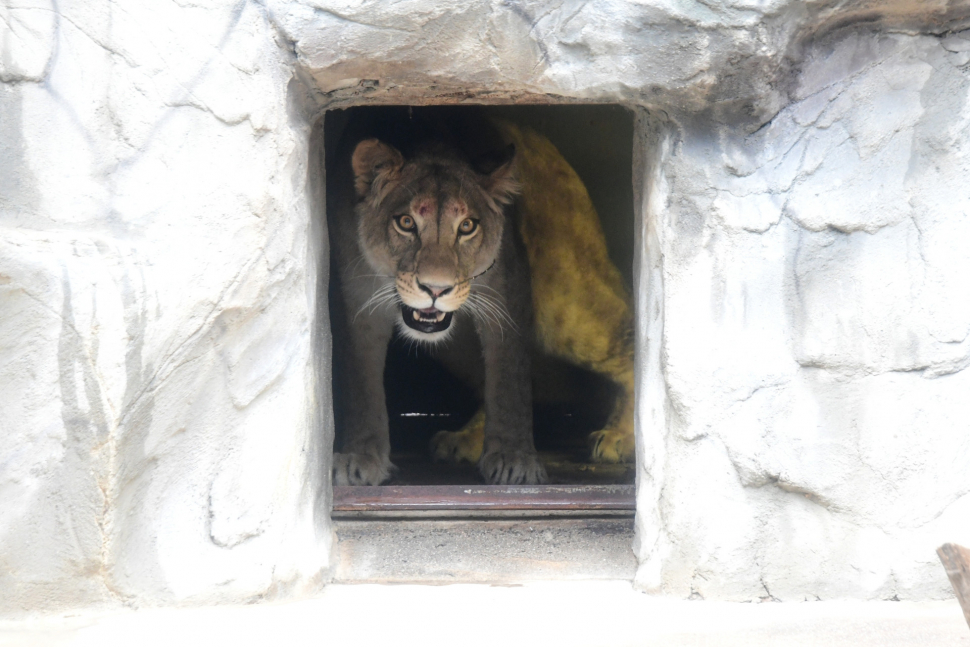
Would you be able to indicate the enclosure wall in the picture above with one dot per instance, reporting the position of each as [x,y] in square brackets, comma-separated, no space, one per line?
[802,273]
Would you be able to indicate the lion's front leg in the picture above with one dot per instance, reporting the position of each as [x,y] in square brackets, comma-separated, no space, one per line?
[364,458]
[508,450]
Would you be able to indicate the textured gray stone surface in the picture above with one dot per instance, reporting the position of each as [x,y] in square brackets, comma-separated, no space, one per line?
[493,551]
[815,277]
[158,404]
[803,281]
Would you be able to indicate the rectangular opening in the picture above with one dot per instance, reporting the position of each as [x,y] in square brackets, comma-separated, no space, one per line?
[423,394]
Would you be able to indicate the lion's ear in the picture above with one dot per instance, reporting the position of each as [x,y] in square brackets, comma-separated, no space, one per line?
[501,185]
[374,160]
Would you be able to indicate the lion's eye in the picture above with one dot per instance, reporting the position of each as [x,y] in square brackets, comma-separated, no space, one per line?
[467,226]
[405,222]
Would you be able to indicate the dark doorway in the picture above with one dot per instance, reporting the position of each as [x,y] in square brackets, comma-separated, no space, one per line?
[570,402]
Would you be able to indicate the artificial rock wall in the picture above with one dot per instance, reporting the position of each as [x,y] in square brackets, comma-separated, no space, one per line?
[158,399]
[803,281]
[816,280]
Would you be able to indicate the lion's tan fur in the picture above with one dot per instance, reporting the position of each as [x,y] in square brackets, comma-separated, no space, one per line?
[582,310]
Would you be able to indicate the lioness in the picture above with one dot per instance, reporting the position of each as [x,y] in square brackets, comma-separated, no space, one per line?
[441,251]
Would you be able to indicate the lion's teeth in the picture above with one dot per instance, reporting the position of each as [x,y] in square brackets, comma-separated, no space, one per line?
[417,315]
[440,316]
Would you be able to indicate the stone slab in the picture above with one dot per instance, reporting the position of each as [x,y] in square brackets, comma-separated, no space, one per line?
[565,614]
[506,551]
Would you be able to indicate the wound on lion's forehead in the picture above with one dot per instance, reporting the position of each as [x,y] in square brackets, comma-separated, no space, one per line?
[497,349]
[424,206]
[456,207]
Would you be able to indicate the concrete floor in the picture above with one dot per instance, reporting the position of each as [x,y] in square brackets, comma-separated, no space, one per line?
[584,614]
[484,551]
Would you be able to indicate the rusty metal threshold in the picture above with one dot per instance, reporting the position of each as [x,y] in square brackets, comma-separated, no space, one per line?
[483,533]
[473,500]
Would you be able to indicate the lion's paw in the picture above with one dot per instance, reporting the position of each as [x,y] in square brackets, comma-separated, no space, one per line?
[612,446]
[512,468]
[457,446]
[360,469]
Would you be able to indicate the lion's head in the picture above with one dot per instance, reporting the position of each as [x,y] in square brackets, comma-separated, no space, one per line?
[431,222]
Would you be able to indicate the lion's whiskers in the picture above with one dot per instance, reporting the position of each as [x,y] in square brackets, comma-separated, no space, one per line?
[371,276]
[475,308]
[498,306]
[355,264]
[382,296]
[491,310]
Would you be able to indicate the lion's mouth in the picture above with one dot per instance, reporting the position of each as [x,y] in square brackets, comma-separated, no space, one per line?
[426,320]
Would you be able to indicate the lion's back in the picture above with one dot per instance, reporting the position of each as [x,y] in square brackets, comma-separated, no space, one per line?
[582,310]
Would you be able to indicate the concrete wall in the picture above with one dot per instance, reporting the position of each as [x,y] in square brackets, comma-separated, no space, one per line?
[158,402]
[816,279]
[803,291]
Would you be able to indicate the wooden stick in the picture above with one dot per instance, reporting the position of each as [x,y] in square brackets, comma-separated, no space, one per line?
[956,561]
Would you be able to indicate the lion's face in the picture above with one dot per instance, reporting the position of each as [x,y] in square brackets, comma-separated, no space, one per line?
[433,224]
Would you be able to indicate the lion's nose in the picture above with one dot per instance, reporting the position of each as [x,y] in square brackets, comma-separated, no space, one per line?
[436,290]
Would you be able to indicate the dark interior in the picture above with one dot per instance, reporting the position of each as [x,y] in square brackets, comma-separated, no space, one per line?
[422,397]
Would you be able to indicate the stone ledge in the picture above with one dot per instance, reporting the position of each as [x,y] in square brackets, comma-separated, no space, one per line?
[491,551]
[560,613]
